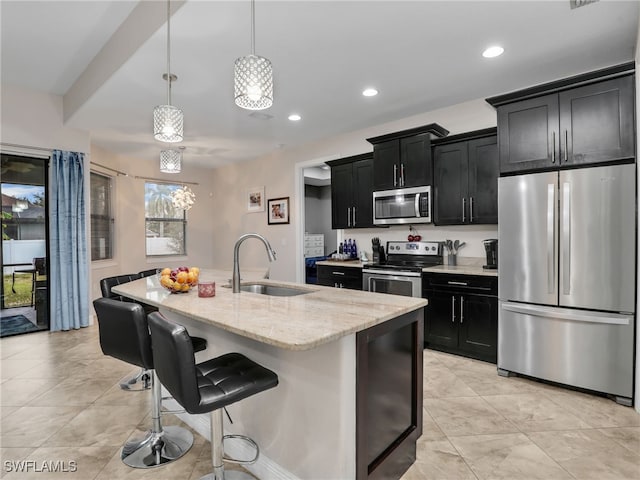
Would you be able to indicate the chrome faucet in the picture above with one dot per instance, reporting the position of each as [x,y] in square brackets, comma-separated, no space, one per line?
[236,259]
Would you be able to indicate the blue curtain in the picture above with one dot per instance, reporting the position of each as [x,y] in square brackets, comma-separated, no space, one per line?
[68,243]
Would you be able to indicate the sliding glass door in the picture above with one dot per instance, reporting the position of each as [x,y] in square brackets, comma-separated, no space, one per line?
[24,303]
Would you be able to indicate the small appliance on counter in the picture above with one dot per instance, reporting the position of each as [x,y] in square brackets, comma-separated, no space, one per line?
[491,248]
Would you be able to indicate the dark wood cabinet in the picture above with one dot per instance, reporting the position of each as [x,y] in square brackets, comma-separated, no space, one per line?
[462,315]
[597,122]
[403,159]
[352,192]
[340,277]
[466,179]
[582,120]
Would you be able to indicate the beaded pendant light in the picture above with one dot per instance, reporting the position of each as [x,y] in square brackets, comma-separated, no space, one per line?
[171,161]
[253,76]
[168,121]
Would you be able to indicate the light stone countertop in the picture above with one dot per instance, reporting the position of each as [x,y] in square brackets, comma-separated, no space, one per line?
[471,266]
[341,263]
[461,270]
[301,322]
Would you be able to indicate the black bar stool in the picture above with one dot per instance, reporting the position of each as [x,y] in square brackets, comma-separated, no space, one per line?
[208,386]
[140,380]
[124,334]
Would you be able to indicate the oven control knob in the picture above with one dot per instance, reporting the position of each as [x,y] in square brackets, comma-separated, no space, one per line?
[433,248]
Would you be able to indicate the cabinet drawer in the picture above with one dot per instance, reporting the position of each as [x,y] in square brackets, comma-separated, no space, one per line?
[344,277]
[478,284]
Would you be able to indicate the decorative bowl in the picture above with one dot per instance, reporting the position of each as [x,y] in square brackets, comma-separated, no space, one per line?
[179,280]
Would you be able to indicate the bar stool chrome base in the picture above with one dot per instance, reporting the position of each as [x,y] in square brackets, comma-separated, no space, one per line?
[157,448]
[218,456]
[138,382]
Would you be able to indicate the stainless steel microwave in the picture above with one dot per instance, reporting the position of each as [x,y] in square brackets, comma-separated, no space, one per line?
[405,205]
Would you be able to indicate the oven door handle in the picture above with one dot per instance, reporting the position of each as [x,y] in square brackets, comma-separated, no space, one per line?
[392,274]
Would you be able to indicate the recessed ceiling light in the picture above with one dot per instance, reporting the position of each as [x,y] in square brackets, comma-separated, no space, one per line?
[494,51]
[294,117]
[369,92]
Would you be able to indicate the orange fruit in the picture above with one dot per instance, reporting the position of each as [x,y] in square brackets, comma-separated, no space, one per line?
[182,277]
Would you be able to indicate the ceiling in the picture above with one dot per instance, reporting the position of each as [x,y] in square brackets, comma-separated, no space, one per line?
[107,60]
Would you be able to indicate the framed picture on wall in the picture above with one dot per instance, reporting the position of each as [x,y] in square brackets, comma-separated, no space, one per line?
[278,210]
[255,199]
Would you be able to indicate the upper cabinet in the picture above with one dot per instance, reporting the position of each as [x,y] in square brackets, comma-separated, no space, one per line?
[352,192]
[466,179]
[581,120]
[403,159]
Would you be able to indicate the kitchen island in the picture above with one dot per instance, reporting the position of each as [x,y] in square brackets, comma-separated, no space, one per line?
[349,402]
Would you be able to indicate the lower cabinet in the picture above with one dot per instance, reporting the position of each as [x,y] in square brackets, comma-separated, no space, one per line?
[462,315]
[340,277]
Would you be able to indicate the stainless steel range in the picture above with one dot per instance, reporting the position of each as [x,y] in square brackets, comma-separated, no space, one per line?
[401,272]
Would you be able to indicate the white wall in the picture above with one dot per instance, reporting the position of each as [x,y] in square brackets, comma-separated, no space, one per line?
[35,119]
[277,173]
[129,248]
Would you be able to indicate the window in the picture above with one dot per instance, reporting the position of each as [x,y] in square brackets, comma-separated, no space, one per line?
[165,224]
[101,217]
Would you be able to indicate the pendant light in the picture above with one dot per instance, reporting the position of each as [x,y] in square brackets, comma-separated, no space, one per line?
[183,198]
[253,76]
[168,120]
[171,161]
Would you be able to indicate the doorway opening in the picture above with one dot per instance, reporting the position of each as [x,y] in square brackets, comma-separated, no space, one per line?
[319,239]
[24,290]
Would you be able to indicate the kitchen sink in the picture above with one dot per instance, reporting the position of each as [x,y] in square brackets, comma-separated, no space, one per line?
[273,290]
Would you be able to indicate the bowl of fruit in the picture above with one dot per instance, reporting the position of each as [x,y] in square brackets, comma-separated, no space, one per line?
[179,280]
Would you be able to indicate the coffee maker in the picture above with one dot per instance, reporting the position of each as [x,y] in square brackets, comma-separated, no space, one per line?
[491,248]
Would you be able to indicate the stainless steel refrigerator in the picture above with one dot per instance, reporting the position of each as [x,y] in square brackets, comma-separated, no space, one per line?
[567,261]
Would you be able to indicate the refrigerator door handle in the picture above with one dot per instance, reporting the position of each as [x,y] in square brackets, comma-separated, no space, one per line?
[566,238]
[551,191]
[568,314]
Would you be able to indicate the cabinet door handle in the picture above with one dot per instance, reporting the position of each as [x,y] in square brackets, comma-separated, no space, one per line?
[402,174]
[566,145]
[348,216]
[337,273]
[450,282]
[470,209]
[553,148]
[354,216]
[453,308]
[395,175]
[461,310]
[464,206]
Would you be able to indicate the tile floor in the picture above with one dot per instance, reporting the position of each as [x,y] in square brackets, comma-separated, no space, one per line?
[60,400]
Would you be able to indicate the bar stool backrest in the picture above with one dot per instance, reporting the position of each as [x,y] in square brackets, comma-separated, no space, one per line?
[124,331]
[106,284]
[175,362]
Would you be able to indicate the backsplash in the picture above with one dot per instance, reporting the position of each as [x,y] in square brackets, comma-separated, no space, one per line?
[473,235]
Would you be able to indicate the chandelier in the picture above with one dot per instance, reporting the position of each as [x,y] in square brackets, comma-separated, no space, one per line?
[168,120]
[170,161]
[253,76]
[183,198]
